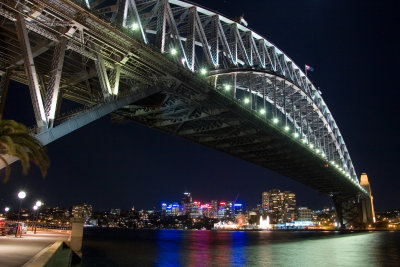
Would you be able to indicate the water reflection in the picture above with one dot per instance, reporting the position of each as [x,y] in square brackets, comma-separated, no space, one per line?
[219,248]
[169,243]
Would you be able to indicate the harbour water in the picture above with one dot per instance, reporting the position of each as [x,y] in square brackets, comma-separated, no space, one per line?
[124,247]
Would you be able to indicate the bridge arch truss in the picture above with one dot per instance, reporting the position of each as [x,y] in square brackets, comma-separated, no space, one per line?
[230,54]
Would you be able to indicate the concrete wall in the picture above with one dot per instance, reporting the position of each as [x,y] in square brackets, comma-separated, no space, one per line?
[55,255]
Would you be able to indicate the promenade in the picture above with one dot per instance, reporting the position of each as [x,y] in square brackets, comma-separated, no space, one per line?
[18,251]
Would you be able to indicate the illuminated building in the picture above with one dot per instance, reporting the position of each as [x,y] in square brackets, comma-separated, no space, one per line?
[170,209]
[304,214]
[195,210]
[207,210]
[115,211]
[82,211]
[187,203]
[279,205]
[221,210]
[238,209]
[214,208]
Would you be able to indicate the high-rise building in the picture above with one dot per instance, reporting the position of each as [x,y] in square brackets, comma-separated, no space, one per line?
[187,203]
[195,209]
[238,209]
[280,206]
[221,210]
[214,208]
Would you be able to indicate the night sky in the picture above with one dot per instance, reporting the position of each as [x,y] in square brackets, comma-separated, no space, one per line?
[354,49]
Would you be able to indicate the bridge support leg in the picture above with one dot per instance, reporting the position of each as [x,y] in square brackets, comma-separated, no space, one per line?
[348,212]
[339,212]
[77,234]
[30,70]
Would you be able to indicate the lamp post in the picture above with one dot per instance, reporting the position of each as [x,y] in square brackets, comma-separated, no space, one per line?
[36,208]
[21,196]
[6,210]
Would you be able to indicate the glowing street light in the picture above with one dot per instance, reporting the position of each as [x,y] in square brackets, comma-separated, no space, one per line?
[304,140]
[174,51]
[135,26]
[311,145]
[38,203]
[262,111]
[275,120]
[21,196]
[227,87]
[296,135]
[35,208]
[287,128]
[6,209]
[203,71]
[246,100]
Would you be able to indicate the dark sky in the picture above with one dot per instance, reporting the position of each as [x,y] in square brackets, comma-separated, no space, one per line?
[354,49]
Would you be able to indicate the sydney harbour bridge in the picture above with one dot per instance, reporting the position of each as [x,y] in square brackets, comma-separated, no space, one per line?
[185,70]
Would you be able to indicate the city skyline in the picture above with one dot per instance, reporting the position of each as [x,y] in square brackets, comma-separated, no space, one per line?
[133,164]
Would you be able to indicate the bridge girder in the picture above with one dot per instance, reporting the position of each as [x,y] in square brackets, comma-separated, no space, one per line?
[199,109]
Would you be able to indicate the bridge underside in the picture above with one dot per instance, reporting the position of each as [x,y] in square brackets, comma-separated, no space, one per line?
[93,63]
[213,119]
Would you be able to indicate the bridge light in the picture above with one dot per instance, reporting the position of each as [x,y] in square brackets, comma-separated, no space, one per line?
[275,120]
[287,128]
[203,71]
[317,150]
[304,140]
[227,87]
[246,100]
[135,26]
[296,135]
[262,111]
[311,145]
[174,51]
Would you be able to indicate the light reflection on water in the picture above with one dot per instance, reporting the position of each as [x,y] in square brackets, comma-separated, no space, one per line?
[118,247]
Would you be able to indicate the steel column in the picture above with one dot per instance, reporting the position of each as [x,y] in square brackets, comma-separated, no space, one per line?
[30,70]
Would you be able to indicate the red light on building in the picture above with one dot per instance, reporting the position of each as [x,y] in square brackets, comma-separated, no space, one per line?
[327,165]
[222,203]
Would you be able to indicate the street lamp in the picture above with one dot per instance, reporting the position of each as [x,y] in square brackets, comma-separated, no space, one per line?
[35,210]
[21,196]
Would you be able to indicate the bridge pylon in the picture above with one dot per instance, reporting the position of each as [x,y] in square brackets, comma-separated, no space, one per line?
[355,212]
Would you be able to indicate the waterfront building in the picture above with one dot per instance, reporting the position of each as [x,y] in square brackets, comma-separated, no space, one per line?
[83,211]
[280,206]
[304,214]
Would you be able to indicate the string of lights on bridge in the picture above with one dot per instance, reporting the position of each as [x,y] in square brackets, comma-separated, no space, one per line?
[317,151]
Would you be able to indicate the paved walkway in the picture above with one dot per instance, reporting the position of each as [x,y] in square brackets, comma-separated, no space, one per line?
[17,251]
